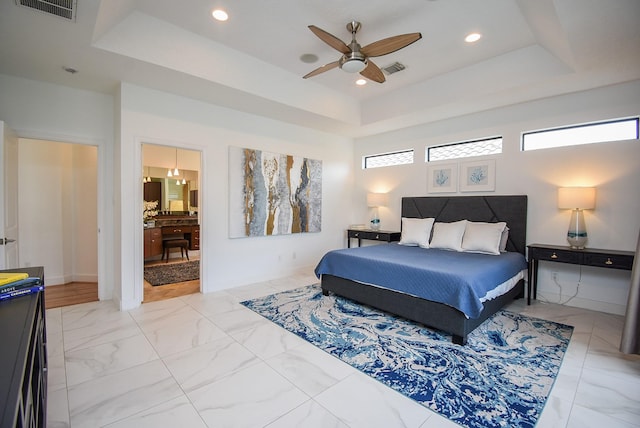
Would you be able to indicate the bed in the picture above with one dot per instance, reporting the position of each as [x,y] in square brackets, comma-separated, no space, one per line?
[511,209]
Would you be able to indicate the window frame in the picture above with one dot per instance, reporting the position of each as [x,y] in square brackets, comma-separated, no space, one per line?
[366,157]
[457,143]
[524,134]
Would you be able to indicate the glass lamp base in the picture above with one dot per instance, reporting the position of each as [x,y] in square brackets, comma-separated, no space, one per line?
[577,233]
[375,219]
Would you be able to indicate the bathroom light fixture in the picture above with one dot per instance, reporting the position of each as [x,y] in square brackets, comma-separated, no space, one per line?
[175,171]
[146,179]
[577,199]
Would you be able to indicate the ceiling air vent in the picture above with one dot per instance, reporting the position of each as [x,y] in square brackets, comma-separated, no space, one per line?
[63,8]
[393,68]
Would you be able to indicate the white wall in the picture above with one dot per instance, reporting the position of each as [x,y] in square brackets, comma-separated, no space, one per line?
[149,116]
[614,168]
[38,110]
[57,206]
[119,124]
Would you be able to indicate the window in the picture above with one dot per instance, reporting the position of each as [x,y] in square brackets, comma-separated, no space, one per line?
[463,149]
[388,159]
[595,132]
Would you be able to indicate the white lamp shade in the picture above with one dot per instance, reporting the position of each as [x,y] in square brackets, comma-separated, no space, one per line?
[582,198]
[377,199]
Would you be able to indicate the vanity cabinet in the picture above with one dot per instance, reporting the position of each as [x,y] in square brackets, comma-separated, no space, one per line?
[195,238]
[188,232]
[152,242]
[153,191]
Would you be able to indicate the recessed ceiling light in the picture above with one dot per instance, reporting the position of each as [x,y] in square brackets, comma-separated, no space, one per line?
[220,14]
[472,37]
[361,82]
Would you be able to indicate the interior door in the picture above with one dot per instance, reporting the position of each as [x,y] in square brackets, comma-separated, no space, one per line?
[8,198]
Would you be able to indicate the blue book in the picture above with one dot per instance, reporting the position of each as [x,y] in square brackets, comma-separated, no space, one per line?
[20,284]
[21,292]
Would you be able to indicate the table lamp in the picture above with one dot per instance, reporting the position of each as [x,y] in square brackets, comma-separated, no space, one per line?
[375,200]
[577,199]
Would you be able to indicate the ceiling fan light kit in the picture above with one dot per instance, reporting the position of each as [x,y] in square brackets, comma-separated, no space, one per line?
[353,63]
[355,59]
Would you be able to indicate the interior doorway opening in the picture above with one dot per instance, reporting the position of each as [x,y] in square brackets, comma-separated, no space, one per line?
[171,183]
[58,212]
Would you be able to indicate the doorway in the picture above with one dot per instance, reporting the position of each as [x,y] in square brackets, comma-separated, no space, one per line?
[58,211]
[171,178]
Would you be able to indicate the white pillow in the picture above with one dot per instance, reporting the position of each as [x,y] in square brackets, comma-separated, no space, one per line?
[448,236]
[416,231]
[504,239]
[483,237]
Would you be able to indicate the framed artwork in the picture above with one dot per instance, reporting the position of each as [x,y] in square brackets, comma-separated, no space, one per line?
[479,176]
[442,178]
[273,194]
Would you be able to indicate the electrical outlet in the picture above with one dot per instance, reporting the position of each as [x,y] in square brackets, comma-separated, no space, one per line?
[554,275]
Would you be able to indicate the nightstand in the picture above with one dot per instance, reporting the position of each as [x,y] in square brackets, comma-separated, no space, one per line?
[610,259]
[373,235]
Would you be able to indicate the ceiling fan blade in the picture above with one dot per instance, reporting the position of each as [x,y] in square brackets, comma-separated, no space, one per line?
[373,72]
[330,39]
[390,44]
[322,69]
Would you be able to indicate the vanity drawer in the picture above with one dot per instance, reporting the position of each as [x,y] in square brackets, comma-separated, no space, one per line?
[172,230]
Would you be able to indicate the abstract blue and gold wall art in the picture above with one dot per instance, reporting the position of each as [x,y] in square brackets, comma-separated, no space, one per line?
[273,194]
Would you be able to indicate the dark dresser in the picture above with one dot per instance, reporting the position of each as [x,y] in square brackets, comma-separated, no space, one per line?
[23,358]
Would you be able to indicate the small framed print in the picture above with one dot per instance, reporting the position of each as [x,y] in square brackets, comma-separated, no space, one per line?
[478,176]
[442,178]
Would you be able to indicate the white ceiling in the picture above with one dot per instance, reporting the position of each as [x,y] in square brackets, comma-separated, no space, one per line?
[530,49]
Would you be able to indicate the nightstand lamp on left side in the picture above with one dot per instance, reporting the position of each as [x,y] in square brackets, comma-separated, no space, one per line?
[577,199]
[375,200]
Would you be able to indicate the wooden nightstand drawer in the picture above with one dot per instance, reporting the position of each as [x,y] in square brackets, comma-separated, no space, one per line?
[613,261]
[378,236]
[555,255]
[372,235]
[357,234]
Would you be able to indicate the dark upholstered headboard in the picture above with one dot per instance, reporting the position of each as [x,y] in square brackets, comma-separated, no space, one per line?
[491,209]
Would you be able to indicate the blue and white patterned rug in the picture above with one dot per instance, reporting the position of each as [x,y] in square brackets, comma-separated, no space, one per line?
[501,378]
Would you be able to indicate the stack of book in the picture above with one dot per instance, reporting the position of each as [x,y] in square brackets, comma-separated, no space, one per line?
[13,284]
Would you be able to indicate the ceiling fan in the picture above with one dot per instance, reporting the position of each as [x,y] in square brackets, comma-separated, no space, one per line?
[355,59]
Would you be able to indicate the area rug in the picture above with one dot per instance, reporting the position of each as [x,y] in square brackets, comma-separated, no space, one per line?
[500,378]
[172,273]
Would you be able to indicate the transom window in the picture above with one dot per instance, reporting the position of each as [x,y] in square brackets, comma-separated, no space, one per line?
[388,159]
[589,133]
[463,149]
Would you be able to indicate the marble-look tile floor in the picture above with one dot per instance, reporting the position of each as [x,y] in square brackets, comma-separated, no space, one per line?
[207,361]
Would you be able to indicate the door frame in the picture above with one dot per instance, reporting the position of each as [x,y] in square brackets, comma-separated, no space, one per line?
[105,219]
[9,193]
[139,228]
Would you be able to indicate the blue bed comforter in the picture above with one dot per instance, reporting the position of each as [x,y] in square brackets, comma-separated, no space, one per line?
[453,278]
